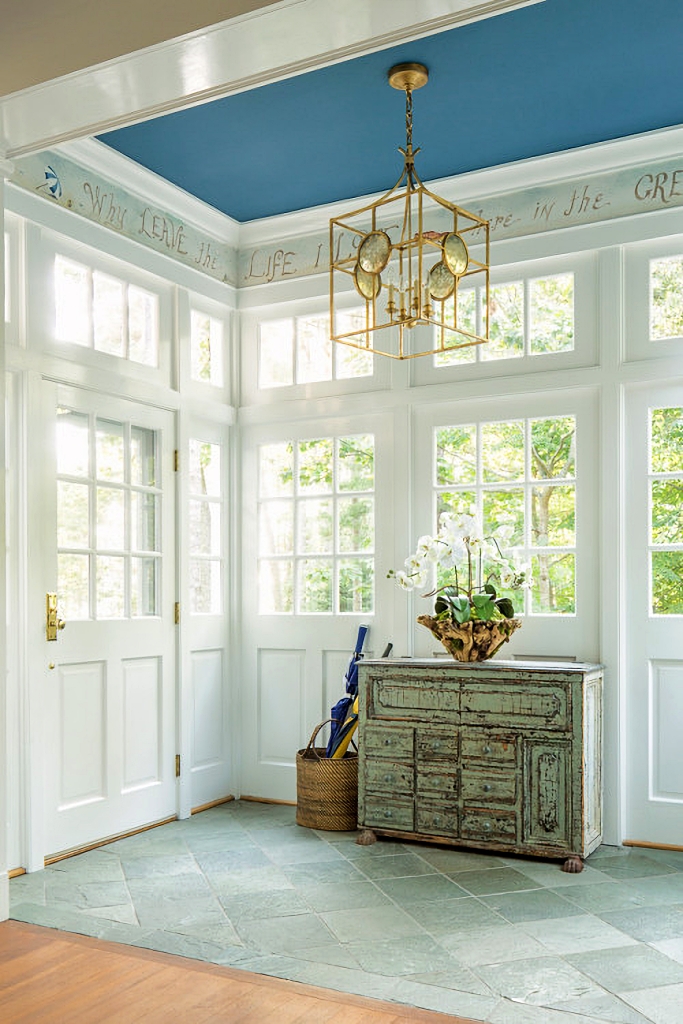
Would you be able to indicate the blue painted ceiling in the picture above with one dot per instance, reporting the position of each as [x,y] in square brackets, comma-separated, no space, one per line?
[554,76]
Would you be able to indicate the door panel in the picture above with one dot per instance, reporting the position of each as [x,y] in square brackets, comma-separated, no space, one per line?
[108,682]
[654,625]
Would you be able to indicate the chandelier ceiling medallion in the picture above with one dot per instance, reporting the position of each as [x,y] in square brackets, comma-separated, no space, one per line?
[412,250]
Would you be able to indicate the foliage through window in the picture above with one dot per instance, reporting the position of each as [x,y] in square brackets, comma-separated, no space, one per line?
[520,476]
[105,313]
[298,350]
[206,530]
[531,317]
[316,526]
[206,348]
[666,298]
[666,511]
[108,516]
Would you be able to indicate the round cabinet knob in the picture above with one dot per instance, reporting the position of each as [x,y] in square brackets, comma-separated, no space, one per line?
[388,814]
[487,826]
[487,787]
[487,750]
[388,778]
[436,820]
[436,745]
[387,742]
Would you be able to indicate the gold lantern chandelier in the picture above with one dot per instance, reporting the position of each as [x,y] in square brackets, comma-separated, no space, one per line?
[407,255]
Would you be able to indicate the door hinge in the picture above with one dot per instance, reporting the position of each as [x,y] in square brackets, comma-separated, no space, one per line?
[177,766]
[176,460]
[177,613]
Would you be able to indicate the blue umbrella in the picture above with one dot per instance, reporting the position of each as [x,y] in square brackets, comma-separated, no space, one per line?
[341,709]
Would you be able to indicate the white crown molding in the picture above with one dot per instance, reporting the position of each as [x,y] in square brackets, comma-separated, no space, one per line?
[264,46]
[467,188]
[94,156]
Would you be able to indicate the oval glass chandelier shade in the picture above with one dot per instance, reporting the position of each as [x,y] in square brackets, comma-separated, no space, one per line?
[405,258]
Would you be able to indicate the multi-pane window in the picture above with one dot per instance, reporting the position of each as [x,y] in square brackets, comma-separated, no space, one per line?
[529,317]
[103,312]
[520,477]
[666,298]
[108,518]
[206,348]
[206,528]
[298,350]
[316,525]
[666,511]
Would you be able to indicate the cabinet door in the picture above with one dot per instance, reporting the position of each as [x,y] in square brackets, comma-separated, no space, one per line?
[547,793]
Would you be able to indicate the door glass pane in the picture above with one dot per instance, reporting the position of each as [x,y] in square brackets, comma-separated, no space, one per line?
[72,443]
[356,517]
[143,331]
[143,521]
[109,587]
[107,315]
[110,519]
[205,587]
[315,585]
[143,586]
[73,586]
[553,516]
[205,468]
[553,588]
[667,582]
[143,457]
[205,528]
[315,525]
[73,515]
[356,585]
[109,451]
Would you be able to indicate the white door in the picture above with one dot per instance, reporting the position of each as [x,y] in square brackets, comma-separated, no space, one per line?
[101,514]
[654,622]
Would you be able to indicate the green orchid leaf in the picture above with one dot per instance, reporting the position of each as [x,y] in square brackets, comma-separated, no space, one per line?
[483,606]
[505,607]
[490,589]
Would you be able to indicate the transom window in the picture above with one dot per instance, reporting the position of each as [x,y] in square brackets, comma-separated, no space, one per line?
[666,298]
[316,525]
[108,518]
[520,477]
[529,317]
[206,531]
[298,350]
[105,313]
[206,348]
[666,511]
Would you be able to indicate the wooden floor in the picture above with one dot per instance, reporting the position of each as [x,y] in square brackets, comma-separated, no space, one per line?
[51,977]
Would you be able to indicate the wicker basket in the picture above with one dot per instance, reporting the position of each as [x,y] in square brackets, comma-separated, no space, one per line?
[326,788]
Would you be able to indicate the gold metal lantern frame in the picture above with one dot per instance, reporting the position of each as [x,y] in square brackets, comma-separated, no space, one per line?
[407,255]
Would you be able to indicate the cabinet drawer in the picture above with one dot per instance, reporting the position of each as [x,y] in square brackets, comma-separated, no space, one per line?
[387,776]
[382,740]
[525,704]
[437,779]
[478,823]
[436,743]
[422,695]
[489,787]
[388,812]
[485,747]
[436,819]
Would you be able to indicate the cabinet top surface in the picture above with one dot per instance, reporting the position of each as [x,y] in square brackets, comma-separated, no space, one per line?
[481,666]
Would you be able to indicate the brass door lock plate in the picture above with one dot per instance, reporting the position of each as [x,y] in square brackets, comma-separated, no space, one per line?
[52,621]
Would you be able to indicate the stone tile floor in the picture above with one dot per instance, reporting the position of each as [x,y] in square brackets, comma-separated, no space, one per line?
[507,940]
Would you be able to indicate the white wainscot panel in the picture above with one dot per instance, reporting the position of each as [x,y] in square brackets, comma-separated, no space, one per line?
[280,697]
[142,717]
[207,693]
[83,737]
[666,703]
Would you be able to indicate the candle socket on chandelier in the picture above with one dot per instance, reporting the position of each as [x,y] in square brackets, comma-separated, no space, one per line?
[408,255]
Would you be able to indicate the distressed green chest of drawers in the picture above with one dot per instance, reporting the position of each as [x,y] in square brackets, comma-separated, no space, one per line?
[498,755]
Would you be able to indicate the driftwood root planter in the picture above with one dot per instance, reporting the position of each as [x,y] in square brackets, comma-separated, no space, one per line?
[472,641]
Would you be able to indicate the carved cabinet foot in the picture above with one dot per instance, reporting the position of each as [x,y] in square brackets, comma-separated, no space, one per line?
[366,838]
[573,865]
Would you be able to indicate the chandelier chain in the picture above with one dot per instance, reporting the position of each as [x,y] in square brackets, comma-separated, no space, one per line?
[409,120]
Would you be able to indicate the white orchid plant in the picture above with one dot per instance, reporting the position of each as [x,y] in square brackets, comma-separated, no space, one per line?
[472,595]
